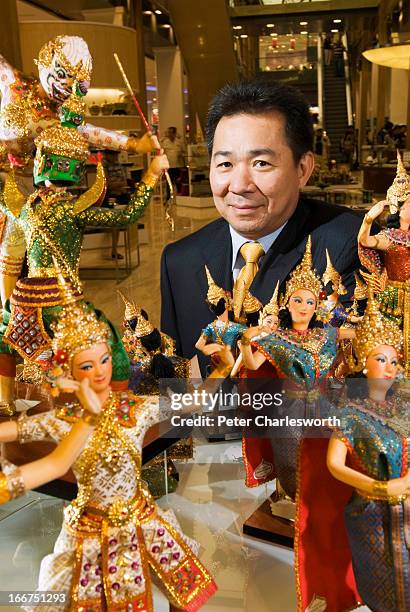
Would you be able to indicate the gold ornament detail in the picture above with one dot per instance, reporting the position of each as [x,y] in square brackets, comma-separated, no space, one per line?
[61,141]
[215,293]
[131,309]
[77,327]
[374,330]
[143,327]
[94,193]
[303,276]
[272,307]
[331,275]
[80,71]
[13,197]
[251,303]
[360,290]
[399,190]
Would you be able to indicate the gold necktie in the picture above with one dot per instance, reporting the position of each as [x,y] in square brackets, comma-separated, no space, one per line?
[251,252]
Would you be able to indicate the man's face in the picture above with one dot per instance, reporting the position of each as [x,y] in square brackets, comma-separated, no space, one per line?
[254,179]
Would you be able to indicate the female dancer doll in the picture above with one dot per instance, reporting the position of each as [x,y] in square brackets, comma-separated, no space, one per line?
[302,353]
[388,254]
[352,544]
[113,532]
[221,332]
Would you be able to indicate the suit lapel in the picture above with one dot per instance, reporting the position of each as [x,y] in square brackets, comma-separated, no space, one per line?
[217,255]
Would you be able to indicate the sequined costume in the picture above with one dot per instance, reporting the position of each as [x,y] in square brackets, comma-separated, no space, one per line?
[221,332]
[395,299]
[113,532]
[303,359]
[25,111]
[53,227]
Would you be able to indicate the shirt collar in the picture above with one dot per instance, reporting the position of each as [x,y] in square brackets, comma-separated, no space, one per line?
[265,241]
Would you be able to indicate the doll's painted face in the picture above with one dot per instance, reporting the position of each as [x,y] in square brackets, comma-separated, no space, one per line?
[382,365]
[57,82]
[405,211]
[302,306]
[271,321]
[95,364]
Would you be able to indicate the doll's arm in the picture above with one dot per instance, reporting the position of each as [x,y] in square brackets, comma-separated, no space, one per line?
[379,241]
[8,431]
[44,470]
[252,361]
[104,217]
[110,139]
[346,333]
[7,75]
[336,463]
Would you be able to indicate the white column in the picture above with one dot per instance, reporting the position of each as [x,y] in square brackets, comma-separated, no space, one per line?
[168,63]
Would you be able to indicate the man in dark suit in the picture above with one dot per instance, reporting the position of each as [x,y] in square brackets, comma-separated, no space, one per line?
[260,140]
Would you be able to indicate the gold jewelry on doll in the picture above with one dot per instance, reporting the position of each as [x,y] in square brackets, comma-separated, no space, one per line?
[303,276]
[131,309]
[272,307]
[331,275]
[360,290]
[245,341]
[149,179]
[380,488]
[62,141]
[400,188]
[367,219]
[89,418]
[4,490]
[77,328]
[373,330]
[16,484]
[215,293]
[80,71]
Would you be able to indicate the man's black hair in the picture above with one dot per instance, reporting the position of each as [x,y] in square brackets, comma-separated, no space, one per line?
[259,97]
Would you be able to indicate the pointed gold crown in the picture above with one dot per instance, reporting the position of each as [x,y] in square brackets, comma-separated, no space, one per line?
[272,307]
[400,188]
[215,293]
[360,290]
[372,331]
[303,276]
[132,311]
[251,303]
[331,275]
[77,327]
[81,71]
[143,327]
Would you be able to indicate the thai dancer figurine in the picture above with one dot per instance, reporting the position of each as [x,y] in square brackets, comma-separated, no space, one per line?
[353,518]
[114,535]
[303,354]
[53,221]
[151,352]
[333,312]
[387,254]
[221,332]
[29,105]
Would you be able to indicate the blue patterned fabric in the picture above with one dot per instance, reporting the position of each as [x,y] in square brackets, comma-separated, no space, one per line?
[213,332]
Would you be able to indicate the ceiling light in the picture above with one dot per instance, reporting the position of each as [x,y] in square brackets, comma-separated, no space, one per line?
[303,22]
[333,31]
[158,12]
[237,27]
[304,32]
[270,25]
[244,36]
[337,21]
[147,13]
[165,25]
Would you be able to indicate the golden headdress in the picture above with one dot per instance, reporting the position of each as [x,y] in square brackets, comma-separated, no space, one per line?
[400,188]
[360,290]
[272,307]
[373,330]
[303,276]
[60,47]
[331,275]
[251,303]
[77,327]
[143,327]
[131,309]
[215,293]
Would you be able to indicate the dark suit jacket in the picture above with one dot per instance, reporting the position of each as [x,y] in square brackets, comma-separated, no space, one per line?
[183,280]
